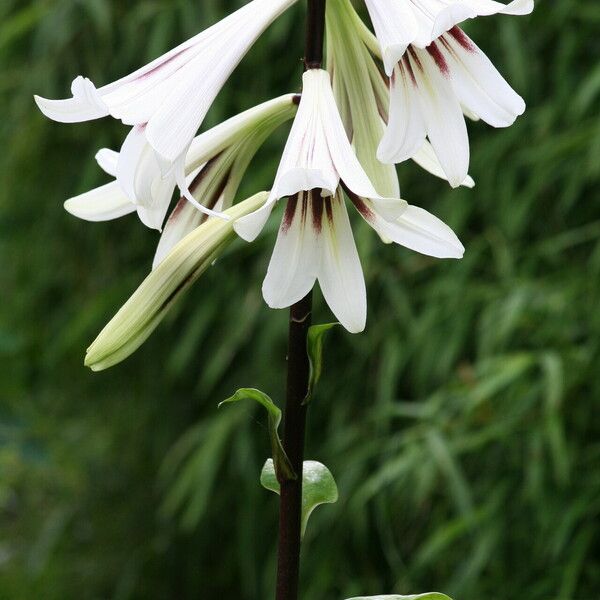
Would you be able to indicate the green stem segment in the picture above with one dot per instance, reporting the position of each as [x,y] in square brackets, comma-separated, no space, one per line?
[294,424]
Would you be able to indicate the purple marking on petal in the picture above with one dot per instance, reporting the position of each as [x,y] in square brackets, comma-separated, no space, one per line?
[439,59]
[317,202]
[329,210]
[304,206]
[359,203]
[290,211]
[415,57]
[408,67]
[461,37]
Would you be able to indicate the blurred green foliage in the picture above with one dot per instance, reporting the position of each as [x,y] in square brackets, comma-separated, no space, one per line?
[462,427]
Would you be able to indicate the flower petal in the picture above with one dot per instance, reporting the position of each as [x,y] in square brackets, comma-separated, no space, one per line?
[442,115]
[295,260]
[415,229]
[477,83]
[108,160]
[85,105]
[340,275]
[103,203]
[396,27]
[405,132]
[425,157]
[172,127]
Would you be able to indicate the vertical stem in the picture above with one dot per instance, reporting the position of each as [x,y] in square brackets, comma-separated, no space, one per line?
[290,505]
[293,442]
[315,33]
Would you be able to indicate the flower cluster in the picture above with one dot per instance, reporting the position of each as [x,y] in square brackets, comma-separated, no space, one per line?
[400,93]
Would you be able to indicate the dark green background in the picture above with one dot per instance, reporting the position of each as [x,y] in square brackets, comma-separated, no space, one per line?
[462,426]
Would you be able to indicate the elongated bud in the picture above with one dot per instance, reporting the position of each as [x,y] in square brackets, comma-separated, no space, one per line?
[141,314]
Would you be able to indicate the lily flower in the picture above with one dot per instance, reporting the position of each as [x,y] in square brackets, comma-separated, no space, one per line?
[215,164]
[315,241]
[432,89]
[166,101]
[362,93]
[399,23]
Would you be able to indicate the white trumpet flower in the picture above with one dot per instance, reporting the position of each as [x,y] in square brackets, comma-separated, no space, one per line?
[315,240]
[399,23]
[431,89]
[215,165]
[362,93]
[167,100]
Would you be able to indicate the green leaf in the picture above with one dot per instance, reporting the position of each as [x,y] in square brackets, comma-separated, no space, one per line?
[283,467]
[318,486]
[427,596]
[314,346]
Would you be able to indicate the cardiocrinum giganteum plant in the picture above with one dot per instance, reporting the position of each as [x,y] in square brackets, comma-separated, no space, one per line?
[378,99]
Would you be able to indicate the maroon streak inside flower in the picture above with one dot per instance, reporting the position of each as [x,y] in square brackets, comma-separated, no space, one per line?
[329,210]
[290,211]
[408,66]
[317,209]
[415,57]
[459,35]
[439,59]
[359,203]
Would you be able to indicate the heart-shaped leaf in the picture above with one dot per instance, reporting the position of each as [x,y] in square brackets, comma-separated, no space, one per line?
[318,486]
[282,466]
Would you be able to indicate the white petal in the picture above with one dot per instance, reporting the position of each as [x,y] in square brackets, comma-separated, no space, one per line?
[416,229]
[450,16]
[443,117]
[249,226]
[425,157]
[104,203]
[215,140]
[173,93]
[396,27]
[86,104]
[405,132]
[131,156]
[172,127]
[477,83]
[340,274]
[108,160]
[306,161]
[295,261]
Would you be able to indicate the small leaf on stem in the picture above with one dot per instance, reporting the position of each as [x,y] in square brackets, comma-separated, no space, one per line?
[314,345]
[282,468]
[318,486]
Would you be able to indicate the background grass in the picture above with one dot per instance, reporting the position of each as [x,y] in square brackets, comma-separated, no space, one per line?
[462,427]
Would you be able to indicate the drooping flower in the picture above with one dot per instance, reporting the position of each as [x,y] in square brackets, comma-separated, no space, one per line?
[166,101]
[361,92]
[315,240]
[215,165]
[399,23]
[431,89]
